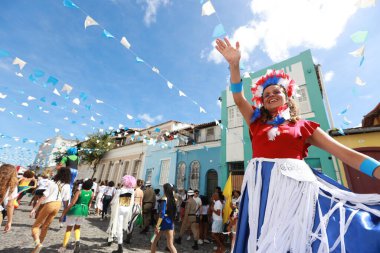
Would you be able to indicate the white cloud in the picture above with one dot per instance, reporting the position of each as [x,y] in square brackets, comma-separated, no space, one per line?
[278,26]
[151,7]
[146,117]
[328,76]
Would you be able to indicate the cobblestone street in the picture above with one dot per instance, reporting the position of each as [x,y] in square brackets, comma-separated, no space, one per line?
[93,236]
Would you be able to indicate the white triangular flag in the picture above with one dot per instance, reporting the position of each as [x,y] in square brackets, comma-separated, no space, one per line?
[56,92]
[92,118]
[125,42]
[56,130]
[66,118]
[84,124]
[76,101]
[30,98]
[99,101]
[359,82]
[129,116]
[89,22]
[19,116]
[67,88]
[19,62]
[98,114]
[19,74]
[181,94]
[201,109]
[25,104]
[46,111]
[2,109]
[156,70]
[170,85]
[358,52]
[74,111]
[207,9]
[71,134]
[2,95]
[121,126]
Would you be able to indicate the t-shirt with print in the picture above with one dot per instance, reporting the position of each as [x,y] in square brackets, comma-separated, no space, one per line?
[217,206]
[57,191]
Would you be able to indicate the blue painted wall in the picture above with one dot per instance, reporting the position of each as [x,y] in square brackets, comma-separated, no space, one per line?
[154,156]
[209,158]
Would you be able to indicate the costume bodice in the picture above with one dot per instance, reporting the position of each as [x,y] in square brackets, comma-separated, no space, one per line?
[291,143]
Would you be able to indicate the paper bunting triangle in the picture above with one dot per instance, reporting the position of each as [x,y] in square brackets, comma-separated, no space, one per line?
[361,61]
[25,104]
[359,82]
[45,111]
[125,43]
[207,9]
[358,52]
[19,116]
[181,94]
[156,70]
[2,109]
[43,99]
[71,134]
[138,59]
[202,110]
[83,96]
[38,73]
[70,4]
[346,121]
[74,111]
[218,31]
[170,85]
[17,61]
[19,74]
[56,92]
[52,80]
[30,98]
[107,34]
[67,88]
[99,101]
[32,78]
[56,130]
[54,103]
[88,107]
[2,96]
[344,111]
[4,53]
[92,118]
[359,37]
[76,101]
[129,116]
[89,22]
[66,118]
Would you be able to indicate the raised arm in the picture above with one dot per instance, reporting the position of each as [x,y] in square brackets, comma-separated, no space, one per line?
[349,156]
[232,56]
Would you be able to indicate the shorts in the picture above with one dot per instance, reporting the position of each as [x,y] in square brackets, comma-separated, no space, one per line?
[217,226]
[74,220]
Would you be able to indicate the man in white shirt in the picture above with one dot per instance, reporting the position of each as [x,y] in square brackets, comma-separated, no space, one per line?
[198,212]
[217,221]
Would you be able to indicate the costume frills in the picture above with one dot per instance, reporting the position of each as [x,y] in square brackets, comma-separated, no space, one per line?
[288,207]
[129,216]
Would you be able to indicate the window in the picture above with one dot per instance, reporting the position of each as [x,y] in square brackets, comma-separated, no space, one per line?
[194,175]
[126,167]
[164,173]
[303,100]
[235,119]
[210,134]
[148,176]
[181,172]
[136,168]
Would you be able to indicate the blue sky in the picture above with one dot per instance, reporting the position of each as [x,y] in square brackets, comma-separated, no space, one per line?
[175,38]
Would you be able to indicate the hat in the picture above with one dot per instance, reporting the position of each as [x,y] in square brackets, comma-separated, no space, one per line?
[147,183]
[190,193]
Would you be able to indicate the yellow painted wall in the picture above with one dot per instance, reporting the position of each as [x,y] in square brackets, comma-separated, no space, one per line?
[357,141]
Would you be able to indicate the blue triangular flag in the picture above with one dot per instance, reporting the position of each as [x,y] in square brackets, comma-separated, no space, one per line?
[38,73]
[88,107]
[70,4]
[52,80]
[32,78]
[3,53]
[107,34]
[101,122]
[54,103]
[83,96]
[218,31]
[43,99]
[361,61]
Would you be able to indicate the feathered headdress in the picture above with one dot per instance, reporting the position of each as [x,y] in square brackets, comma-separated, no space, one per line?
[272,77]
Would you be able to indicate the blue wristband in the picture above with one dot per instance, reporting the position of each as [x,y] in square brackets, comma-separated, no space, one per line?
[236,87]
[368,166]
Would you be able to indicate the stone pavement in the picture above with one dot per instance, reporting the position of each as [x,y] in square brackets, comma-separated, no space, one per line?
[93,237]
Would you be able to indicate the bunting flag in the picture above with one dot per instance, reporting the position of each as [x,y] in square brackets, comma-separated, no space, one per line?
[344,111]
[99,101]
[19,74]
[52,80]
[207,9]
[25,104]
[70,4]
[202,110]
[218,31]
[359,37]
[30,98]
[129,116]
[108,34]
[156,70]
[181,94]
[56,92]
[67,88]
[358,52]
[125,42]
[359,82]
[89,22]
[17,61]
[346,121]
[170,85]
[361,61]
[2,109]
[2,96]
[138,59]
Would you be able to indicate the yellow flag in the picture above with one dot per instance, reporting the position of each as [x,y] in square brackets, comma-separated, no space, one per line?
[227,192]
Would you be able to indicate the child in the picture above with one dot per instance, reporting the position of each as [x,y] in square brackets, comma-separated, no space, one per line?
[76,211]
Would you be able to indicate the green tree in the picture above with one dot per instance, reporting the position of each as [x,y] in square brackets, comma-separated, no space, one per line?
[93,150]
